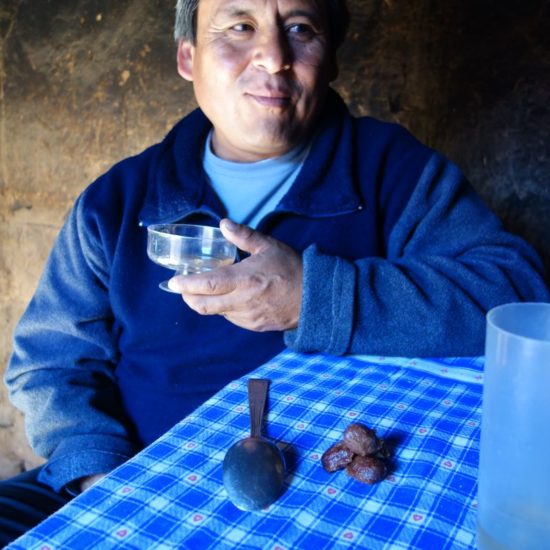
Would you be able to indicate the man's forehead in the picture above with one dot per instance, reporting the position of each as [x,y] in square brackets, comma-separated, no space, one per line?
[312,7]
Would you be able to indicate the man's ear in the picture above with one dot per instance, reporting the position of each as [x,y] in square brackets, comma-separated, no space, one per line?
[186,54]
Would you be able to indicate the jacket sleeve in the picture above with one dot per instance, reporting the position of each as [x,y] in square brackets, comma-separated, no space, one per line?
[61,373]
[448,262]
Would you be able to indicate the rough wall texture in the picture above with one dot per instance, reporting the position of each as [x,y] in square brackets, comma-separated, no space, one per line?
[85,83]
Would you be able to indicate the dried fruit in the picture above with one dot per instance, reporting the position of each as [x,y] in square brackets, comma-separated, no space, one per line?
[361,440]
[336,458]
[367,469]
[361,453]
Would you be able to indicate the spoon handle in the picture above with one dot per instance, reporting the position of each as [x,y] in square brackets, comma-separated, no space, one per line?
[257,395]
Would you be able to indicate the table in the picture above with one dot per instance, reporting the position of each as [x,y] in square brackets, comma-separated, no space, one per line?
[171,494]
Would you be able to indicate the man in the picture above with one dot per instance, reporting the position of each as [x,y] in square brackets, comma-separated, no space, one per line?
[365,241]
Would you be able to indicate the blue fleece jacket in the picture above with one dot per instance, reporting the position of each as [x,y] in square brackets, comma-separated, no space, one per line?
[400,257]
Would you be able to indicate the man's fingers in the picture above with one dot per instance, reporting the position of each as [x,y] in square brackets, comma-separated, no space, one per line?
[243,237]
[206,305]
[211,283]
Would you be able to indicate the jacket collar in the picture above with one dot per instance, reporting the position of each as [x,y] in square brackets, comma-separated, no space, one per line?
[177,184]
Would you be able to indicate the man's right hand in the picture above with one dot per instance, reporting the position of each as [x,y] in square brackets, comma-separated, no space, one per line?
[262,292]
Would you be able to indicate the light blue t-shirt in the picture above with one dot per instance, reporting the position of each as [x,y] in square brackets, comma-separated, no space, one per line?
[250,190]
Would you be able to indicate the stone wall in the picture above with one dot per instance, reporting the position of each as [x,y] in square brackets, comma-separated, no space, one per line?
[84,83]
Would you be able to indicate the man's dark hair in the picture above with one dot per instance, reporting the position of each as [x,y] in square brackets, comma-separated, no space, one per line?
[186,20]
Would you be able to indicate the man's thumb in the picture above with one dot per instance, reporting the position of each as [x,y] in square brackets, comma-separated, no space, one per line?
[242,236]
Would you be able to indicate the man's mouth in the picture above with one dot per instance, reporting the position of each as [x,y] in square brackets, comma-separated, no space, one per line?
[270,99]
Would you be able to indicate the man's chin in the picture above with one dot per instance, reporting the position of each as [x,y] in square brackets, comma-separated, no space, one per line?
[267,146]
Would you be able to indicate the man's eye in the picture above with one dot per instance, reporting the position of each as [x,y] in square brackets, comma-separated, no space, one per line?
[301,29]
[242,27]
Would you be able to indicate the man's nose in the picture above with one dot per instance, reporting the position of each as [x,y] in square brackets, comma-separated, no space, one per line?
[272,53]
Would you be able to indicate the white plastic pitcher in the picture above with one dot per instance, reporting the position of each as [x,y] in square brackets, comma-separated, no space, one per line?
[514,468]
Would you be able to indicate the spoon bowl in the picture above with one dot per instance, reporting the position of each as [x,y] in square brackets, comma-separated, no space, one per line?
[253,473]
[254,467]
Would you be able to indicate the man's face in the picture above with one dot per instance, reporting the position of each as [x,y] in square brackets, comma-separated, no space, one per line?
[260,70]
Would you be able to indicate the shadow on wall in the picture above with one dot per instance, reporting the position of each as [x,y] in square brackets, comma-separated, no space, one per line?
[471,78]
[499,98]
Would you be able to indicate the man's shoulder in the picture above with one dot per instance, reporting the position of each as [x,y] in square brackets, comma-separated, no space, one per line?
[127,177]
[166,171]
[368,129]
[141,170]
[381,134]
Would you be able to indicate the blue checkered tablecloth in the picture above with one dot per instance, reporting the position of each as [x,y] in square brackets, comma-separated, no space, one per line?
[171,494]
